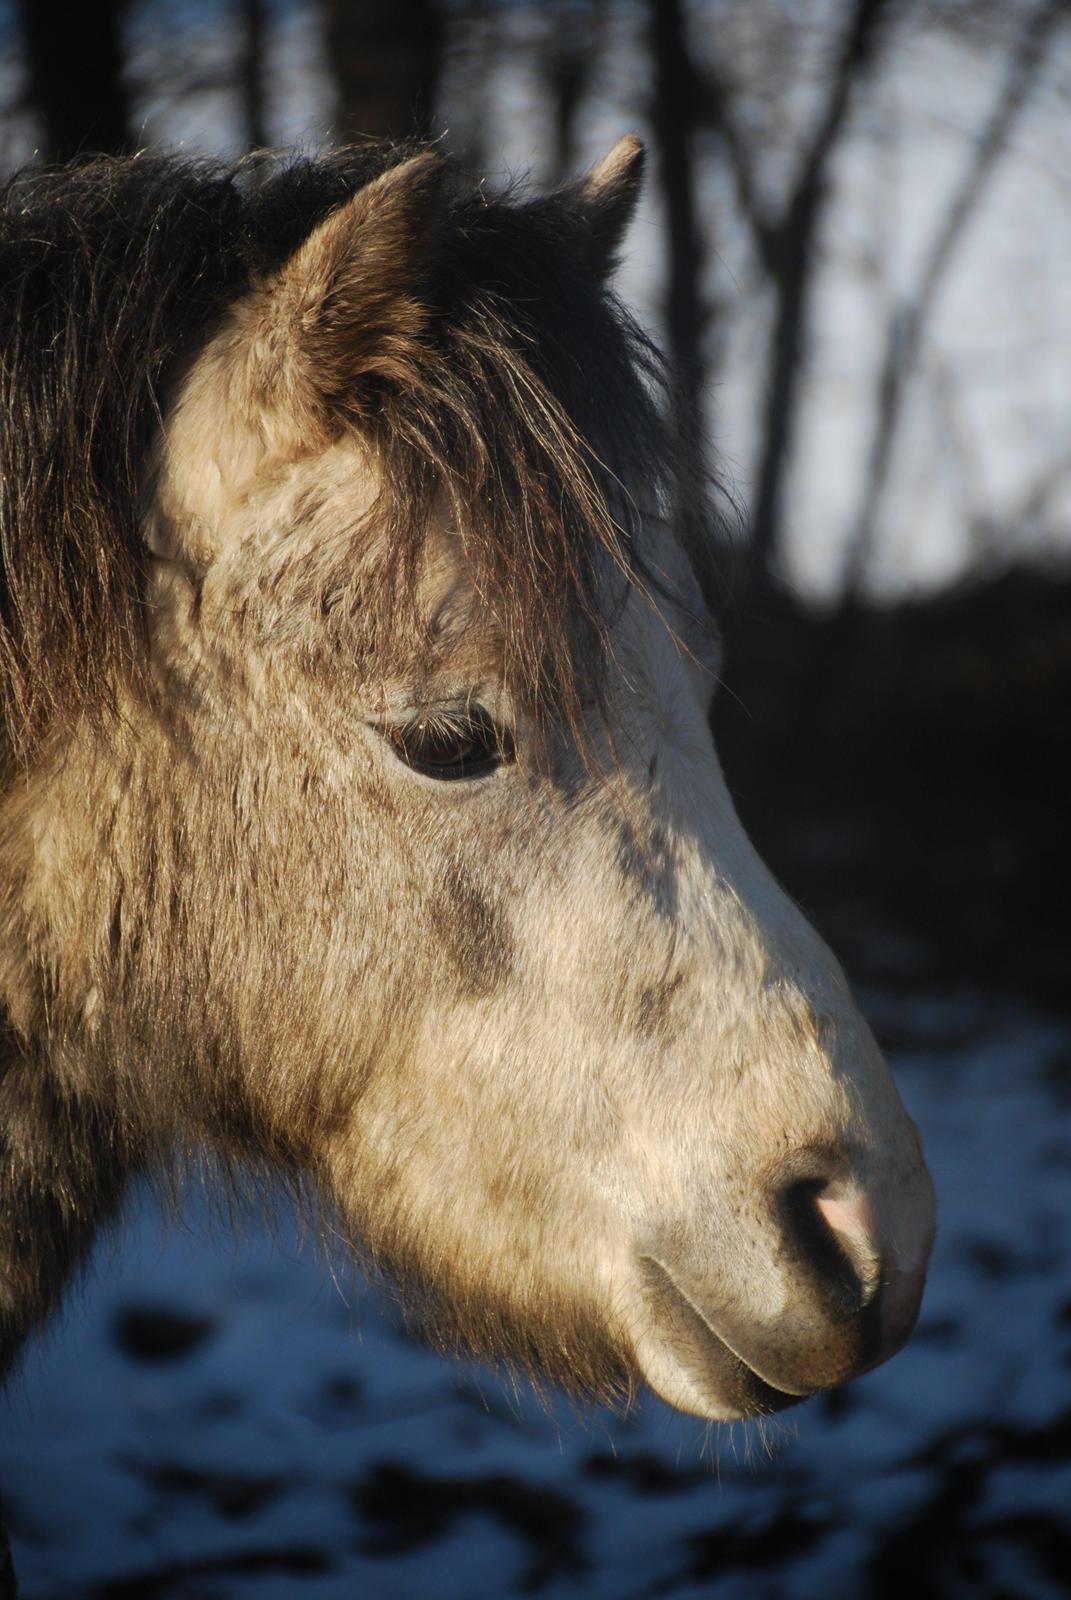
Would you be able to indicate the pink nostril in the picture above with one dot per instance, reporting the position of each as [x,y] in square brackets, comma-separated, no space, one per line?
[851,1216]
[854,1250]
[848,1215]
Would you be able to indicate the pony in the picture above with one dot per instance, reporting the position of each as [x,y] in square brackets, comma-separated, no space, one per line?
[360,819]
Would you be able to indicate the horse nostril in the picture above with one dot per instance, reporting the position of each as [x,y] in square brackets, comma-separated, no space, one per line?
[825,1228]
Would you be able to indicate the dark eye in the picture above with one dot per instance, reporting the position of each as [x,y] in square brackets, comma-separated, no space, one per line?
[452,744]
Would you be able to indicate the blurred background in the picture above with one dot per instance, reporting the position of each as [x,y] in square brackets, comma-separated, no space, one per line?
[855,247]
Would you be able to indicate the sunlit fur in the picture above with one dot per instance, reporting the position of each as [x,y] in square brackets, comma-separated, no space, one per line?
[550,1043]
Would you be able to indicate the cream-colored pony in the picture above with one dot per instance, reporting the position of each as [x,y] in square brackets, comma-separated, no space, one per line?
[359,814]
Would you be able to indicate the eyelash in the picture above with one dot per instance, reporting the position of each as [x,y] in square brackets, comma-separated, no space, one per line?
[451,745]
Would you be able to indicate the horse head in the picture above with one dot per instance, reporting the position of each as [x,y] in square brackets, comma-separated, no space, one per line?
[406,865]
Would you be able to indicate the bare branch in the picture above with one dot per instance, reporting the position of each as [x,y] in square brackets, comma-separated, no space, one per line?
[714,98]
[789,254]
[1037,503]
[909,320]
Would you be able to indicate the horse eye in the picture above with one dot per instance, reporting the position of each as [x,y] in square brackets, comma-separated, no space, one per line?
[464,744]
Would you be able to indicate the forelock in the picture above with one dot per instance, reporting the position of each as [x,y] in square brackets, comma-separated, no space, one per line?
[534,415]
[531,410]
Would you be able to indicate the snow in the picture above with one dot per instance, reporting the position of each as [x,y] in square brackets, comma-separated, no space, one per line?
[305,1446]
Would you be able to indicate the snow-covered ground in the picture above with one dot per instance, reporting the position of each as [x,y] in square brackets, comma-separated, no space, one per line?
[217,1415]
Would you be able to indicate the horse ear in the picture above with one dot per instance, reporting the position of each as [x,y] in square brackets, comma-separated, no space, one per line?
[606,199]
[347,305]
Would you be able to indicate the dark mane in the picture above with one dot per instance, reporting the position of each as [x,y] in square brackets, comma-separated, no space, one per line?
[532,405]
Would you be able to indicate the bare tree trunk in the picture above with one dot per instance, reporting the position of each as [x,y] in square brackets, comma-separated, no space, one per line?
[74,55]
[789,253]
[785,245]
[673,122]
[910,319]
[251,72]
[8,1590]
[571,58]
[476,29]
[386,56]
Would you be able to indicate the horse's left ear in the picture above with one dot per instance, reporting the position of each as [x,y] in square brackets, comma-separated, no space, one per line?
[606,199]
[349,305]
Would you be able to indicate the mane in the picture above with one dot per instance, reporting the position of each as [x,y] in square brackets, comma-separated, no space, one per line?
[532,405]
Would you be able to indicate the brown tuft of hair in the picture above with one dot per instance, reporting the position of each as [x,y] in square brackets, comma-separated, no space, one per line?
[526,396]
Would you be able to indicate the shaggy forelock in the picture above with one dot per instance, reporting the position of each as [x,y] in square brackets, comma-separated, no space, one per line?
[528,405]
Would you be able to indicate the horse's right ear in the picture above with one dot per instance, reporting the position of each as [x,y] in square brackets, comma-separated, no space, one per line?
[347,306]
[606,199]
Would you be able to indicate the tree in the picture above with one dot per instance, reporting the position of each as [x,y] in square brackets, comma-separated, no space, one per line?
[386,57]
[785,243]
[910,318]
[75,60]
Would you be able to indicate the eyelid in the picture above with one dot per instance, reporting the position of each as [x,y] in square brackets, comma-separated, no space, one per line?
[439,717]
[481,744]
[412,701]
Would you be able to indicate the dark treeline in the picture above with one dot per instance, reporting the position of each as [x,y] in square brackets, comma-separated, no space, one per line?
[944,721]
[716,86]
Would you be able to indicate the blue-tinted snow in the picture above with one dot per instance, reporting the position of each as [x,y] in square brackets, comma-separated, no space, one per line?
[291,1441]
